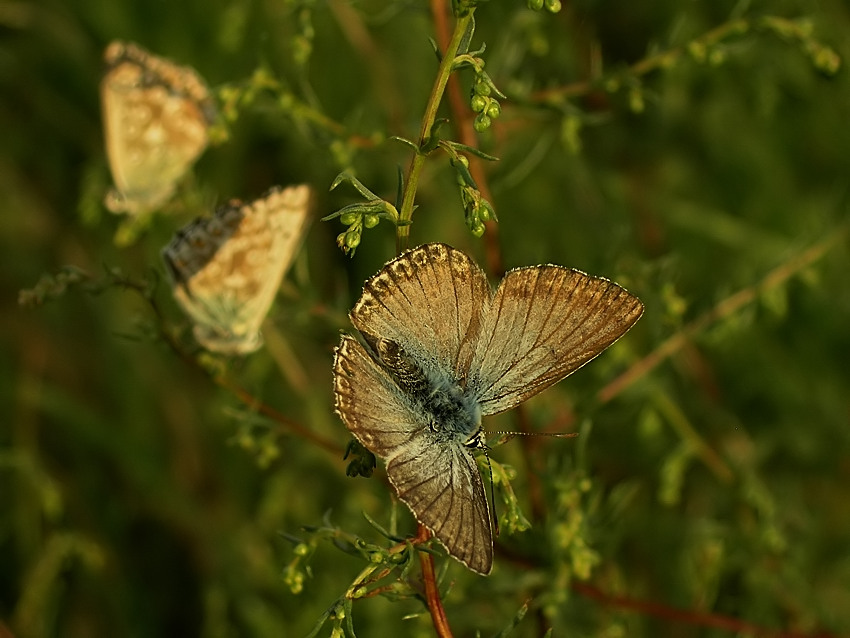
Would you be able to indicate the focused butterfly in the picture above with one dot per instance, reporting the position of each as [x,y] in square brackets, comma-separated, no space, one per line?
[226,269]
[441,351]
[156,117]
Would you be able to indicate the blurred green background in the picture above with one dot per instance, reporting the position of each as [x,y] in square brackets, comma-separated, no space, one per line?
[137,498]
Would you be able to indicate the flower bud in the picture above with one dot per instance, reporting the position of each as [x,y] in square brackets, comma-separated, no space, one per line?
[481,87]
[477,227]
[481,123]
[352,238]
[349,218]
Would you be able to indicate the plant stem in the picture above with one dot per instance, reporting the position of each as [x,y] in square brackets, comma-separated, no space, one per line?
[462,119]
[776,277]
[222,381]
[661,60]
[432,592]
[418,161]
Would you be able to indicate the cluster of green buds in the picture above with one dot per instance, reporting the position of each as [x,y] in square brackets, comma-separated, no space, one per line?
[825,58]
[512,517]
[52,287]
[461,8]
[484,103]
[234,98]
[552,6]
[302,43]
[297,571]
[483,100]
[360,215]
[477,210]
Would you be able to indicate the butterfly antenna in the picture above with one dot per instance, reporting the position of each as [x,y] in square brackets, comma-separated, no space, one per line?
[507,436]
[492,492]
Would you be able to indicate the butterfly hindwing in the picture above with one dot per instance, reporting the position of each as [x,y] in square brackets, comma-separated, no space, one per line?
[435,476]
[442,486]
[370,404]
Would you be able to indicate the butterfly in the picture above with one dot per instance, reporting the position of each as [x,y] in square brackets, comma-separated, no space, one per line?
[440,351]
[226,269]
[156,117]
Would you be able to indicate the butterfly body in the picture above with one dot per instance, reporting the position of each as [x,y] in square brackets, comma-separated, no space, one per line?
[444,350]
[452,414]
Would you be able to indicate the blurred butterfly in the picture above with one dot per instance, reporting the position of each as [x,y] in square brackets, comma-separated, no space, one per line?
[226,269]
[441,351]
[155,117]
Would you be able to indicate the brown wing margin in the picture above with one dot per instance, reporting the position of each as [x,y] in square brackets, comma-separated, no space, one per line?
[430,301]
[545,322]
[442,486]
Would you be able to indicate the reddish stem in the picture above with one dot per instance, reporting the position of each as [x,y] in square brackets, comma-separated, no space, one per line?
[432,592]
[659,610]
[463,120]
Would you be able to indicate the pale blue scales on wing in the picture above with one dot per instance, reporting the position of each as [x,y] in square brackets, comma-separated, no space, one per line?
[441,350]
[226,269]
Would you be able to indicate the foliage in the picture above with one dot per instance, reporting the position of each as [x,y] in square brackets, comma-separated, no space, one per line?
[694,152]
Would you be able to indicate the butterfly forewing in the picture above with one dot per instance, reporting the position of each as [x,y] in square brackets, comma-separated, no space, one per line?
[545,322]
[430,301]
[436,477]
[227,268]
[156,117]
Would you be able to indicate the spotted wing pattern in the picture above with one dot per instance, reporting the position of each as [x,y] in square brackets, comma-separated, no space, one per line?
[156,117]
[431,302]
[226,269]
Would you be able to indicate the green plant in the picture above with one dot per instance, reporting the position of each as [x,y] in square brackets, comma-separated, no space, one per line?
[155,489]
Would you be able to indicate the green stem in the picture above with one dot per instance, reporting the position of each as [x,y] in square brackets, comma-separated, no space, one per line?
[418,161]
